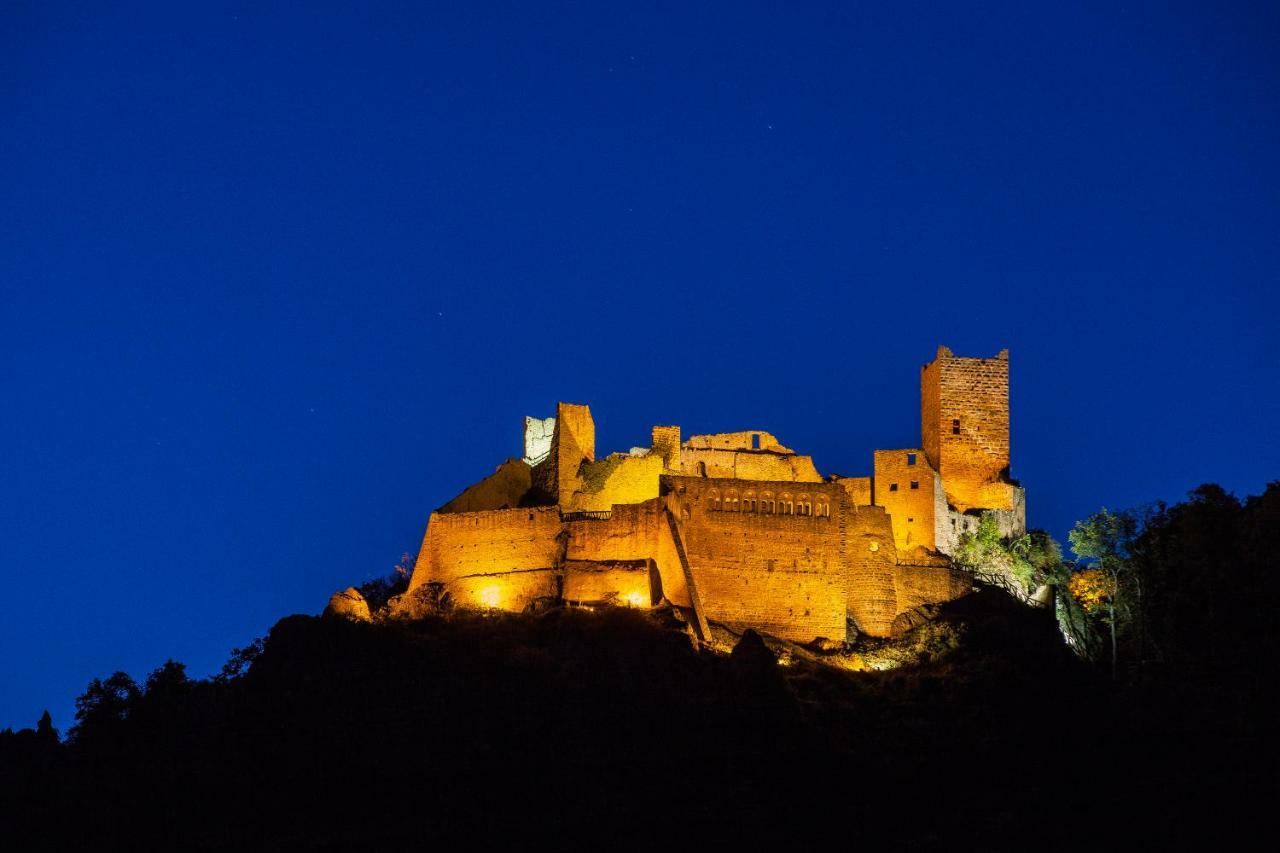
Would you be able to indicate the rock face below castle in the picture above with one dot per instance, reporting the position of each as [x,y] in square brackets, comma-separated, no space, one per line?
[735,527]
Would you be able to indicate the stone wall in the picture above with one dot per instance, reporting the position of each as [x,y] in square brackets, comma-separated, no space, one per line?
[870,568]
[665,442]
[747,465]
[505,488]
[487,543]
[514,591]
[1011,523]
[857,488]
[632,532]
[616,479]
[757,567]
[633,583]
[908,489]
[752,439]
[538,433]
[918,584]
[964,409]
[573,442]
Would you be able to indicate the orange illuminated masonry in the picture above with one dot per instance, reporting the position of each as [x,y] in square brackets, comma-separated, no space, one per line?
[734,527]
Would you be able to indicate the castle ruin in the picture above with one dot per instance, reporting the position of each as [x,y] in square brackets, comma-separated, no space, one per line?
[734,527]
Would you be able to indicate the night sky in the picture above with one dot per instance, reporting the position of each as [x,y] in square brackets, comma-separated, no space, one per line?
[275,282]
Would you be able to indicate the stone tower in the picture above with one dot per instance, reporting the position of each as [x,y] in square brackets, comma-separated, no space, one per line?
[964,412]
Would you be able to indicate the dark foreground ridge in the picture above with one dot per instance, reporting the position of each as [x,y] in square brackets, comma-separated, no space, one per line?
[611,728]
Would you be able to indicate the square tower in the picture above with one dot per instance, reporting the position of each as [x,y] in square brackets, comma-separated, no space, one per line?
[964,413]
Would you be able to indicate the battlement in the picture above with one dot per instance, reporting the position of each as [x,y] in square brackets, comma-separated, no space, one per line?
[734,527]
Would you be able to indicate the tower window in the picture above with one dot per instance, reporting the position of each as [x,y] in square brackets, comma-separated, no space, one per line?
[755,441]
[893,487]
[915,484]
[955,426]
[911,459]
[910,520]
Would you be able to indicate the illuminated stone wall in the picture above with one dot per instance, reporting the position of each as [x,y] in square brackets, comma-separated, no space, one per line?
[870,569]
[629,584]
[757,566]
[747,465]
[632,532]
[487,543]
[746,440]
[909,491]
[616,479]
[538,433]
[514,591]
[665,442]
[964,410]
[857,488]
[573,442]
[503,489]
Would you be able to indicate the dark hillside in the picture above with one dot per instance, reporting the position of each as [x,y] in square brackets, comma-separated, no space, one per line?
[609,728]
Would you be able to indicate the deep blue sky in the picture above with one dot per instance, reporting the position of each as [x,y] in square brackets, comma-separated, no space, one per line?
[275,280]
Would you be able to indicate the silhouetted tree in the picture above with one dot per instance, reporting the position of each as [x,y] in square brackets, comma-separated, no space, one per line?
[240,661]
[45,730]
[104,704]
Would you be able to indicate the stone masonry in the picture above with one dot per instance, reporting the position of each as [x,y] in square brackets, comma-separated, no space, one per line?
[734,527]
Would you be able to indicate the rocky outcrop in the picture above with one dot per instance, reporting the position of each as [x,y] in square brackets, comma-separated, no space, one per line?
[913,618]
[414,604]
[349,604]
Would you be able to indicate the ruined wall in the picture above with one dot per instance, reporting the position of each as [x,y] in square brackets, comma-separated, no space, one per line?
[870,568]
[757,567]
[573,441]
[747,465]
[908,489]
[1011,523]
[918,584]
[503,489]
[631,532]
[736,520]
[538,433]
[487,543]
[616,479]
[747,440]
[665,442]
[857,488]
[964,409]
[633,583]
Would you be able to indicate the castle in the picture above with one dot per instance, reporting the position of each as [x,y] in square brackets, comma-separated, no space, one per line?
[734,527]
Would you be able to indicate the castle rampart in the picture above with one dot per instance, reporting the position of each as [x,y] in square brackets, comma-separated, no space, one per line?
[734,527]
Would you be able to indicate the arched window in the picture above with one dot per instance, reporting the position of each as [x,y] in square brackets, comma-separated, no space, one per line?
[749,502]
[784,506]
[713,501]
[766,503]
[731,502]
